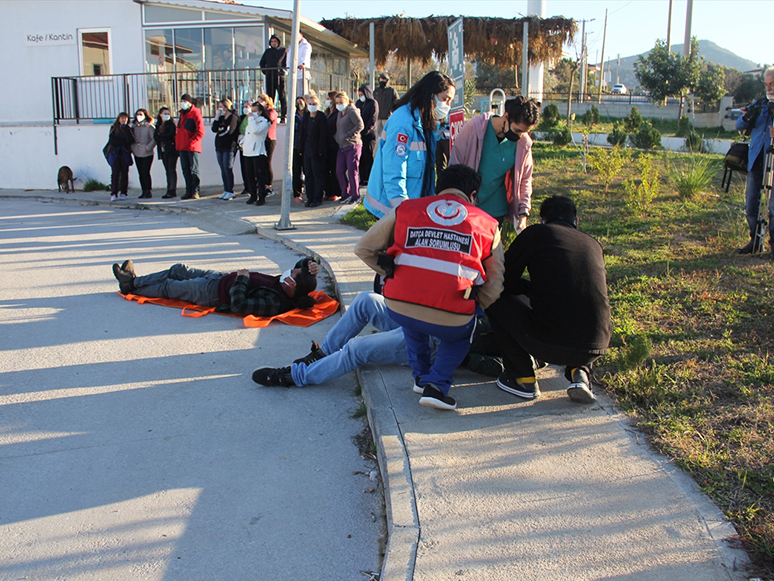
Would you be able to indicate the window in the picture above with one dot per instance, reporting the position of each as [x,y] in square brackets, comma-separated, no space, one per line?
[218,49]
[95,52]
[159,51]
[169,14]
[188,49]
[248,44]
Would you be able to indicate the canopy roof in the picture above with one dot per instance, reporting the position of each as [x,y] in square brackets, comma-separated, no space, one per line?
[494,40]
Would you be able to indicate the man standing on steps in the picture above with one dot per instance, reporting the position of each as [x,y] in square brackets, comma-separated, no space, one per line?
[273,65]
[567,319]
[188,142]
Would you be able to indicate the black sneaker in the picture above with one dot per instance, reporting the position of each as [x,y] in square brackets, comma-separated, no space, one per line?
[274,377]
[315,354]
[526,389]
[128,266]
[580,388]
[485,365]
[434,398]
[125,280]
[420,389]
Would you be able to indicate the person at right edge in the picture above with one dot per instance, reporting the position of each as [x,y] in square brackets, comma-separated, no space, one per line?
[442,259]
[758,121]
[500,149]
[566,320]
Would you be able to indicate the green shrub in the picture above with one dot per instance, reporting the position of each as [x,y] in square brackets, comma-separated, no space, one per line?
[632,122]
[591,117]
[695,143]
[695,179]
[618,136]
[646,137]
[92,185]
[608,163]
[549,118]
[561,134]
[683,127]
[641,192]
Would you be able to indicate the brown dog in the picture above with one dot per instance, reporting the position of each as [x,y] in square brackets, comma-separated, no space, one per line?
[65,179]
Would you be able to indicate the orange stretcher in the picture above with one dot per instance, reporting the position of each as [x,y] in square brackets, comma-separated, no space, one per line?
[324,307]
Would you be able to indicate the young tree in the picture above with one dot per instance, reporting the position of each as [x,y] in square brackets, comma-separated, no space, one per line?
[667,74]
[711,85]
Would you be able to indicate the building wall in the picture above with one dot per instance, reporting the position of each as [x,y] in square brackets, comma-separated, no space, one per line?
[27,159]
[29,101]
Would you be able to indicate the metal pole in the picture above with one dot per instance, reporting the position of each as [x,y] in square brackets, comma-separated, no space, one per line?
[287,179]
[581,79]
[525,62]
[669,28]
[688,15]
[602,60]
[372,63]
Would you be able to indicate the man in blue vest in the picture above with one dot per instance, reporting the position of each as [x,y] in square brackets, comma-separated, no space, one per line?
[442,260]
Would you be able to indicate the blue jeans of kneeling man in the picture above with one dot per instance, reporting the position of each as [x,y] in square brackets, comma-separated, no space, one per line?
[454,343]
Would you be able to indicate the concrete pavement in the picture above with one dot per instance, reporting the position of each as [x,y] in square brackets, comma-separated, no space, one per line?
[499,489]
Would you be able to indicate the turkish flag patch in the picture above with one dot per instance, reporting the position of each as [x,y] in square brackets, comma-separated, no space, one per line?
[402,138]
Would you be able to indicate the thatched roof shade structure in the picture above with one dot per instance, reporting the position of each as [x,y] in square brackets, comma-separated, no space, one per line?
[493,40]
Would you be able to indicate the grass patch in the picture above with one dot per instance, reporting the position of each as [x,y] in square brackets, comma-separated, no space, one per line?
[359,217]
[692,324]
[92,185]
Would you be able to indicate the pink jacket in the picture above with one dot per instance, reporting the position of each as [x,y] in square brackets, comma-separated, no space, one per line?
[467,150]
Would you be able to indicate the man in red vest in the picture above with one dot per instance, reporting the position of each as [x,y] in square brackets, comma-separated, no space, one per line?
[442,259]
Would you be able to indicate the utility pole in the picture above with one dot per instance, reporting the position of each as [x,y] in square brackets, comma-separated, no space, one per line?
[618,70]
[582,76]
[669,27]
[602,60]
[688,15]
[287,178]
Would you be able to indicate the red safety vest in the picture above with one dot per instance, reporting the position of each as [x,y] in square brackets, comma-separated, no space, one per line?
[440,245]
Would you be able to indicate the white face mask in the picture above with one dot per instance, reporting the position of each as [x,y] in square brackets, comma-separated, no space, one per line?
[341,107]
[362,98]
[140,118]
[313,108]
[246,110]
[165,116]
[185,105]
[287,274]
[441,109]
[328,103]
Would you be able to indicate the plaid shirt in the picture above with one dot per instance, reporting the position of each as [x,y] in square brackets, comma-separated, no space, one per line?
[260,302]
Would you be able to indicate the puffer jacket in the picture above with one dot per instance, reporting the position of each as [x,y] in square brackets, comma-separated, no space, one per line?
[254,143]
[143,139]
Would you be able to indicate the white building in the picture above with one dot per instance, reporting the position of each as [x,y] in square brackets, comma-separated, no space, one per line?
[72,65]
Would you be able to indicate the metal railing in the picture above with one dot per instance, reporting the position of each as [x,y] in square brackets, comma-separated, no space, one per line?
[104,97]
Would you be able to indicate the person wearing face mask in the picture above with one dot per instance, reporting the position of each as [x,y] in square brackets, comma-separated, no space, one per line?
[242,292]
[188,142]
[254,150]
[314,138]
[273,65]
[404,166]
[332,187]
[119,156]
[387,97]
[298,154]
[369,111]
[758,123]
[246,108]
[271,138]
[164,136]
[349,124]
[225,127]
[500,148]
[142,148]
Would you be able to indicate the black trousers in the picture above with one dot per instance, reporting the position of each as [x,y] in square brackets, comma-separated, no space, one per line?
[275,83]
[298,170]
[144,172]
[442,152]
[367,157]
[256,176]
[516,332]
[170,167]
[314,170]
[119,178]
[332,187]
[270,145]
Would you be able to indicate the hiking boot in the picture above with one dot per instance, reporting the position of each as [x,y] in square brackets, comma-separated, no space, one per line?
[128,266]
[580,388]
[169,195]
[434,398]
[485,365]
[274,377]
[526,387]
[749,248]
[125,280]
[315,354]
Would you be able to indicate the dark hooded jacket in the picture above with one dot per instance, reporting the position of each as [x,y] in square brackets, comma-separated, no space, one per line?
[369,111]
[274,58]
[386,97]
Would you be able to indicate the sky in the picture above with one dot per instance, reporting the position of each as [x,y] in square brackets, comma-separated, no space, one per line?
[633,26]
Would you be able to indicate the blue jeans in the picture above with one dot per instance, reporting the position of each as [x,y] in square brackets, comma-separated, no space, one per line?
[183,283]
[454,343]
[752,198]
[346,352]
[189,163]
[226,163]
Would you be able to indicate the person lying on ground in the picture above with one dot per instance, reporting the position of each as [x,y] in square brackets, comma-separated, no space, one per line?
[242,292]
[343,350]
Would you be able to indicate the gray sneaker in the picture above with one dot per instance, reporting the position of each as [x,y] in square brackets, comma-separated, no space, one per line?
[580,388]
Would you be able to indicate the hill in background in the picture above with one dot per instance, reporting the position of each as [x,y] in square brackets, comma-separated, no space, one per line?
[708,49]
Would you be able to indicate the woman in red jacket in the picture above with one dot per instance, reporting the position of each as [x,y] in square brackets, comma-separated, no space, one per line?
[188,142]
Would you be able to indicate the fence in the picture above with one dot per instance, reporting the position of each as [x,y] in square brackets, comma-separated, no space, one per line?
[104,97]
